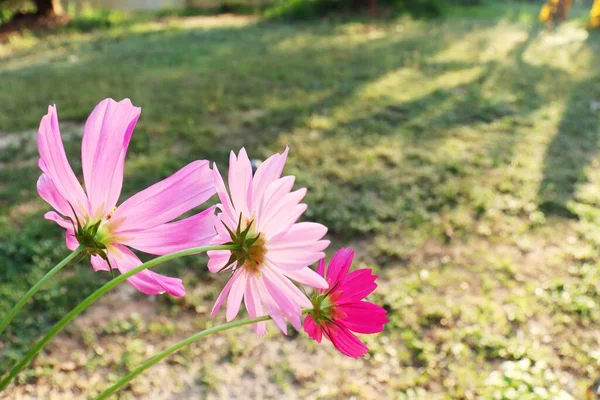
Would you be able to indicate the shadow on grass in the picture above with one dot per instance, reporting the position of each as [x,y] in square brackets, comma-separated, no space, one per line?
[576,141]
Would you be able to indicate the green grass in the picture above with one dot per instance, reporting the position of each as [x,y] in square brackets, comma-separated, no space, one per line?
[458,156]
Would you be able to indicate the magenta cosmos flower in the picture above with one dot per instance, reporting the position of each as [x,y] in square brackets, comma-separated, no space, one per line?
[142,221]
[260,216]
[341,310]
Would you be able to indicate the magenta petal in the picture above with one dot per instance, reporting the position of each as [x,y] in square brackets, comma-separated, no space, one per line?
[195,231]
[321,267]
[356,286]
[364,317]
[106,137]
[313,330]
[147,282]
[166,200]
[339,265]
[53,162]
[346,342]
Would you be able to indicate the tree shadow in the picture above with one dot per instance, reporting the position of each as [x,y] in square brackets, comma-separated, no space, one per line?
[575,143]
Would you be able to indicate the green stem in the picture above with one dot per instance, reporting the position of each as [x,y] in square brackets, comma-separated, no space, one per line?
[6,320]
[176,347]
[95,296]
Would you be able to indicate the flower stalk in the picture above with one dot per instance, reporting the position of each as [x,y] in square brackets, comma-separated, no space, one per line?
[95,296]
[178,346]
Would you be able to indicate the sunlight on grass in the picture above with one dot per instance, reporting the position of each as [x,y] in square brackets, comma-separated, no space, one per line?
[458,156]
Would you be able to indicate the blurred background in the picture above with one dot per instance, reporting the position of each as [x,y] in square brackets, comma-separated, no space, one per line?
[453,144]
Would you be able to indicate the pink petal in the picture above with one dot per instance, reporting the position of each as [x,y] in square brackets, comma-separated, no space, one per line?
[50,194]
[217,259]
[313,330]
[307,276]
[347,343]
[229,215]
[285,298]
[70,240]
[267,172]
[99,264]
[356,286]
[223,295]
[147,282]
[166,200]
[255,309]
[240,181]
[294,259]
[339,265]
[299,235]
[284,285]
[195,231]
[53,162]
[236,294]
[272,308]
[363,317]
[278,210]
[106,137]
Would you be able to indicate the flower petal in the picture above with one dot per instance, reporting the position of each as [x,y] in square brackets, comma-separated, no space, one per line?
[217,259]
[166,200]
[70,240]
[313,330]
[255,309]
[54,163]
[47,191]
[286,287]
[321,267]
[228,214]
[195,231]
[271,306]
[298,235]
[146,281]
[223,295]
[356,286]
[363,317]
[307,276]
[240,181]
[268,172]
[339,265]
[99,264]
[234,300]
[347,343]
[106,137]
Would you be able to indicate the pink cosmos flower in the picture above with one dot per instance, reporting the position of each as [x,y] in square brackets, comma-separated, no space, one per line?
[341,310]
[142,221]
[260,216]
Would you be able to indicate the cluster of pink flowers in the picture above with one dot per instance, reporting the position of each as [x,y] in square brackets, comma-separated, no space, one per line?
[258,212]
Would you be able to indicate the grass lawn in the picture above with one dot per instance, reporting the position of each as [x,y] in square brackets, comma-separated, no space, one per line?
[459,157]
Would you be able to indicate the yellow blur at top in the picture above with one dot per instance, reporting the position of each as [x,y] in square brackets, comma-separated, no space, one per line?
[595,15]
[555,11]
